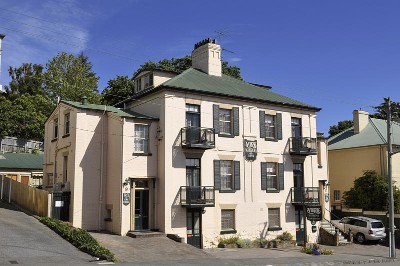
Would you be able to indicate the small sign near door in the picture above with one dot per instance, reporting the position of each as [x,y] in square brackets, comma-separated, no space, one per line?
[314,213]
[126,198]
[250,149]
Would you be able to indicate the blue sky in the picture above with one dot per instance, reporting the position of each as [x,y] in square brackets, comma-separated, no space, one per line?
[338,55]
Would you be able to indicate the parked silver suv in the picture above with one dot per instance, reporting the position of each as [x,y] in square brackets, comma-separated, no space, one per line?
[363,228]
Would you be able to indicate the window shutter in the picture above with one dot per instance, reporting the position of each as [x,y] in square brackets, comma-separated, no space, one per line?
[262,124]
[217,175]
[279,125]
[263,176]
[216,118]
[235,111]
[281,176]
[236,172]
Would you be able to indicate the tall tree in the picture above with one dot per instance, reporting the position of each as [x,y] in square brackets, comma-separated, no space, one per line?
[24,116]
[380,110]
[179,65]
[71,77]
[28,78]
[117,90]
[370,192]
[341,126]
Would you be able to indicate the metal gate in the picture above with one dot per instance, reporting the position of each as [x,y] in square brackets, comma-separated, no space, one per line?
[61,202]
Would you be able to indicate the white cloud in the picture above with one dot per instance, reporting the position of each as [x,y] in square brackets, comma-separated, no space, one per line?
[235,59]
[38,30]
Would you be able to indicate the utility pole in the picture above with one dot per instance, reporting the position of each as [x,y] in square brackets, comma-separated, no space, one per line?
[392,245]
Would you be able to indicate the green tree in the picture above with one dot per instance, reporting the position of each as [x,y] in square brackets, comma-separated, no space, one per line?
[341,126]
[24,116]
[28,78]
[117,90]
[71,77]
[179,65]
[370,193]
[380,110]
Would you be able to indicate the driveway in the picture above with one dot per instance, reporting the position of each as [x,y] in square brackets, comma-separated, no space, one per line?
[24,240]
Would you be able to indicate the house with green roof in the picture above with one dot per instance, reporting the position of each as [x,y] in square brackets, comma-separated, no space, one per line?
[358,149]
[192,155]
[26,168]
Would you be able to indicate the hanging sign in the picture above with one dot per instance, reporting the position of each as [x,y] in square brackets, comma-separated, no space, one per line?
[126,198]
[250,149]
[314,213]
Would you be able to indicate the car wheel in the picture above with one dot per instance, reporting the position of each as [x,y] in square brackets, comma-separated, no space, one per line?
[360,238]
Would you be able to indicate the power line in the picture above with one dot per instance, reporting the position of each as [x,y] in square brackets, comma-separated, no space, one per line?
[37,36]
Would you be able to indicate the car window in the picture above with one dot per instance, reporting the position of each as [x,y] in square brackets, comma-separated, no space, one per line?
[345,220]
[360,223]
[377,225]
[352,221]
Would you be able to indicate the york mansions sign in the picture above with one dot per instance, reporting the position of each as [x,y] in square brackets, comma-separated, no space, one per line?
[250,149]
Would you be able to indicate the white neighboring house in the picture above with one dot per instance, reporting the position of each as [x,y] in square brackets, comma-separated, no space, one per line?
[198,154]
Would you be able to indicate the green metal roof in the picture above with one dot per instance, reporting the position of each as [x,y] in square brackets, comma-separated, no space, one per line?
[107,108]
[375,133]
[198,81]
[21,161]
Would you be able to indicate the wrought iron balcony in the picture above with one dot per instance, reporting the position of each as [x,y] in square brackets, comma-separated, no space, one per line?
[303,146]
[197,138]
[203,196]
[305,195]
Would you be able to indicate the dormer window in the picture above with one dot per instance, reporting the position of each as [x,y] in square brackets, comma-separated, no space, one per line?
[148,80]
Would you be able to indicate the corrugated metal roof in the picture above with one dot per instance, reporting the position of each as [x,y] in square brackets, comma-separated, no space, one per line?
[198,81]
[375,133]
[107,108]
[21,161]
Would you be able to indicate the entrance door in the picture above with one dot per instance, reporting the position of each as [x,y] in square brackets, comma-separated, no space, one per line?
[299,224]
[25,180]
[141,209]
[193,218]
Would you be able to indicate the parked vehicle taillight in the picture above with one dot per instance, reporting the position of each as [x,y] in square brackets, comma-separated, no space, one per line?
[370,232]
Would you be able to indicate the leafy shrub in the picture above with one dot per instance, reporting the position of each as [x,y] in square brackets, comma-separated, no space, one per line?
[285,236]
[228,240]
[308,249]
[243,243]
[78,237]
[260,242]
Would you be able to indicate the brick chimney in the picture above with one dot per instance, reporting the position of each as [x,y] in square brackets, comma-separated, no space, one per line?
[206,57]
[360,119]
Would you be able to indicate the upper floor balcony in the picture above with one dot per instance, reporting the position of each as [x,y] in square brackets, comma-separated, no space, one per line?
[197,138]
[199,196]
[305,195]
[302,146]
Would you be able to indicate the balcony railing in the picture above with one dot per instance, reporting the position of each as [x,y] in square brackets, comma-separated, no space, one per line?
[198,138]
[203,196]
[302,146]
[305,195]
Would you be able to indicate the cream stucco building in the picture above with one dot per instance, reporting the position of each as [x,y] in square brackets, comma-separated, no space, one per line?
[200,155]
[358,149]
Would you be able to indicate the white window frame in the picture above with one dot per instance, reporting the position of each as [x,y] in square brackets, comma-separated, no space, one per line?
[225,121]
[274,219]
[336,195]
[272,176]
[141,138]
[228,220]
[270,126]
[226,175]
[67,123]
[55,128]
[50,179]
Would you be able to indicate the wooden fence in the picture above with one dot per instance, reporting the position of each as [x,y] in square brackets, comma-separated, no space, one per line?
[29,198]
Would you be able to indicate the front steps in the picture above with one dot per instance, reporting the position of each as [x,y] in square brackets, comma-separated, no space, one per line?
[144,234]
[331,229]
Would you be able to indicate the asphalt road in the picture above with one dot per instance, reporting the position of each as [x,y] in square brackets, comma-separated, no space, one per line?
[24,240]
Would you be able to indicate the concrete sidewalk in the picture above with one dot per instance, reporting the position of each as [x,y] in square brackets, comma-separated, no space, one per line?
[163,251]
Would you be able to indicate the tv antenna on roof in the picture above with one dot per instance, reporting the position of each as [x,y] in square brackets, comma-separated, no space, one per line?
[219,38]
